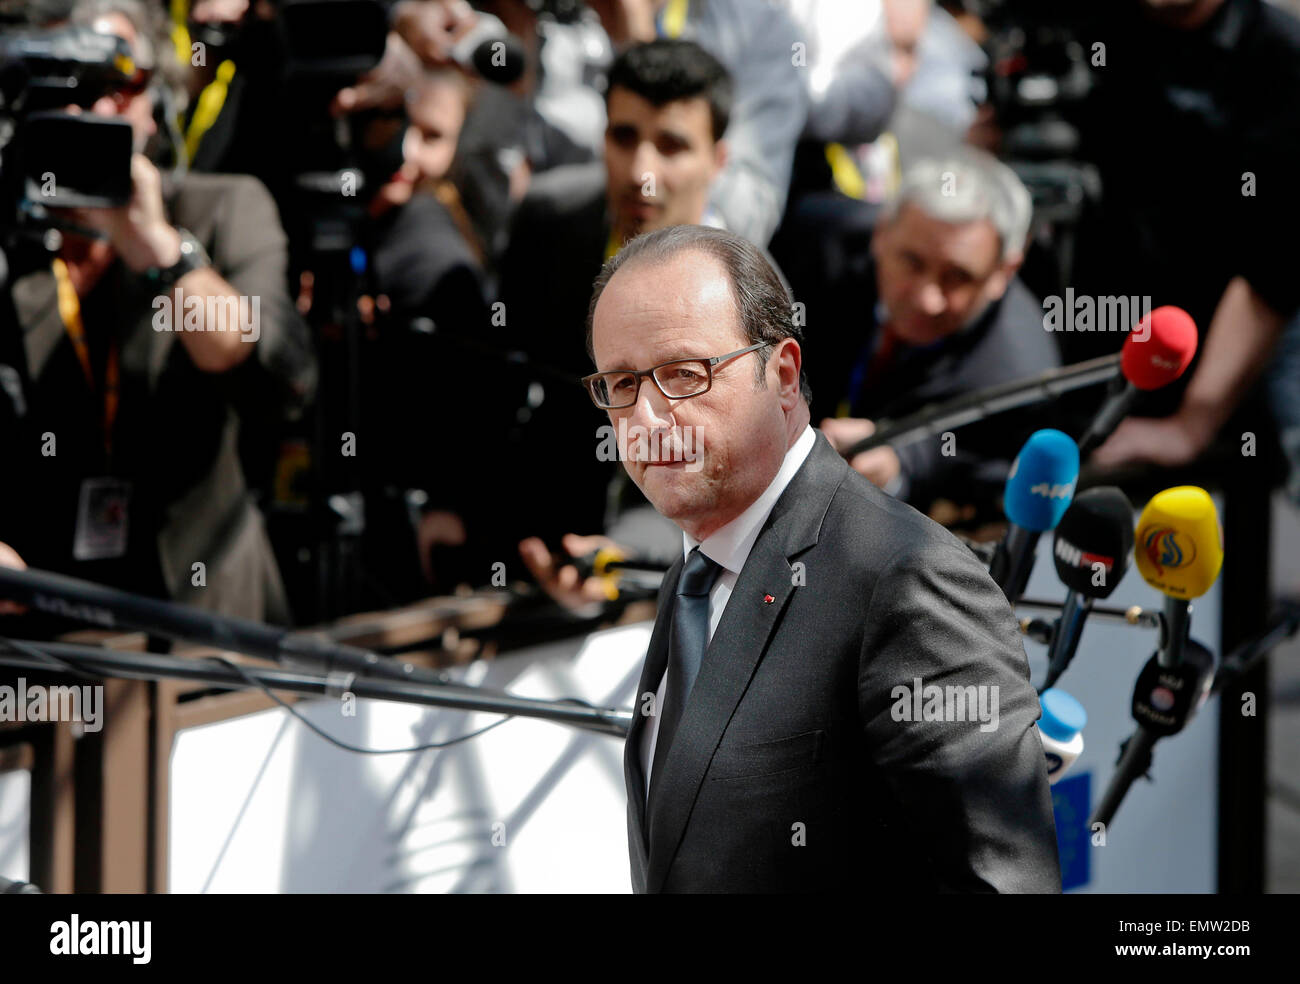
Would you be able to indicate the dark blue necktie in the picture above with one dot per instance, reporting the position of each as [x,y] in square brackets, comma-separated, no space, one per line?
[687,641]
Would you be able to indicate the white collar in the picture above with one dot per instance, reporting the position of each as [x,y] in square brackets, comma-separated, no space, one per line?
[729,545]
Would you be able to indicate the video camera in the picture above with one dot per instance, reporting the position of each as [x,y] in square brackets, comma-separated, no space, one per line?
[1038,80]
[48,155]
[1038,74]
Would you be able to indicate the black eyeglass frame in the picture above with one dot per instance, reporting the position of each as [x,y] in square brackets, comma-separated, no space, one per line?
[641,374]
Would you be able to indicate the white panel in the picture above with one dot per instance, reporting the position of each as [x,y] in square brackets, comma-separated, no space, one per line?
[260,804]
[15,821]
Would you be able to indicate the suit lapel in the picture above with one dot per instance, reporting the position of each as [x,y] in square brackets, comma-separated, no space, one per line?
[737,647]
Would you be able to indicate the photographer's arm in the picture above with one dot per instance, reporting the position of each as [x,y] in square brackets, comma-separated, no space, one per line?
[1240,341]
[144,239]
[216,348]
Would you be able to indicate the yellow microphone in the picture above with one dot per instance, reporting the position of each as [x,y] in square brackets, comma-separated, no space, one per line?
[1179,542]
[1179,552]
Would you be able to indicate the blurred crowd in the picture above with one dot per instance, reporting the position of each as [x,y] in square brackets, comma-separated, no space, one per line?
[419,195]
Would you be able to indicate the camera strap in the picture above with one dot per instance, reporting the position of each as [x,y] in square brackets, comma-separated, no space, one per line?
[70,313]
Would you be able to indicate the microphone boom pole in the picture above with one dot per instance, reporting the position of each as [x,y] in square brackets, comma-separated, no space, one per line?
[153,666]
[935,418]
[107,607]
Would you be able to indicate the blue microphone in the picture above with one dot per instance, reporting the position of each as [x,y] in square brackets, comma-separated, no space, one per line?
[1039,490]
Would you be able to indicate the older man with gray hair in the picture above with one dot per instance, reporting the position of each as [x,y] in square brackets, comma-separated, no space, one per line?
[934,310]
[775,748]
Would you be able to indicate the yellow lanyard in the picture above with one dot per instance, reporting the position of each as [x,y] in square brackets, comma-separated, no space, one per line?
[70,312]
[844,171]
[213,97]
[673,21]
[208,107]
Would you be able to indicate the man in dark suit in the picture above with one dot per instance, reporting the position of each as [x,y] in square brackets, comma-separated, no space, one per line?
[835,696]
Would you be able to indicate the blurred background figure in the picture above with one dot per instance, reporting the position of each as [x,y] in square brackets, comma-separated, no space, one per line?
[933,311]
[130,473]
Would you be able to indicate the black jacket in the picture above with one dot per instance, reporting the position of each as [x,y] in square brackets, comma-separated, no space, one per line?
[789,772]
[1006,343]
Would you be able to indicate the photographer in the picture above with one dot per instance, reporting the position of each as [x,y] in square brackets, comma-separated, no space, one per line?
[141,335]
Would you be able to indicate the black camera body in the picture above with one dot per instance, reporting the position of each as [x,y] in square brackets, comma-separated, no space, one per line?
[48,155]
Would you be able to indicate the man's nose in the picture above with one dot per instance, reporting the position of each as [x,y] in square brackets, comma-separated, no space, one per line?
[930,299]
[645,162]
[652,409]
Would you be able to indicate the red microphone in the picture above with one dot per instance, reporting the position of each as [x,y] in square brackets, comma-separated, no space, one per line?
[1156,352]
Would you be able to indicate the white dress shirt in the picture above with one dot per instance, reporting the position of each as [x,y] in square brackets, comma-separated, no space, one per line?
[729,547]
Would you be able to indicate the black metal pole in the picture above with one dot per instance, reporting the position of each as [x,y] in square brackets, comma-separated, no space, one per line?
[152,666]
[110,608]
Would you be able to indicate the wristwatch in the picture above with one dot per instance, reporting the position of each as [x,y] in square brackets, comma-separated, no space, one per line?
[193,257]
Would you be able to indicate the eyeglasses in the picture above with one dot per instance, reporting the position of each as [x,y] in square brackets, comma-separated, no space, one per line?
[676,380]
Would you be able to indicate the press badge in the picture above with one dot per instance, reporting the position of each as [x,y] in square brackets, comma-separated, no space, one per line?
[101,519]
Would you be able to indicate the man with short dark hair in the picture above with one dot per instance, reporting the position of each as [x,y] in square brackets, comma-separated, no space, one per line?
[763,51]
[780,743]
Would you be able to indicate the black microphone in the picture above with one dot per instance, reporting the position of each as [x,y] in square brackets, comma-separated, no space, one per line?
[1165,699]
[1091,549]
[490,51]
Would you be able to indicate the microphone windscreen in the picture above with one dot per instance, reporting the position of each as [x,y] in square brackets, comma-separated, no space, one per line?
[1159,348]
[499,60]
[1179,544]
[1041,483]
[1096,529]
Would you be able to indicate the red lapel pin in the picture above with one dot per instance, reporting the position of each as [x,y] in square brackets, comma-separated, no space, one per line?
[768,599]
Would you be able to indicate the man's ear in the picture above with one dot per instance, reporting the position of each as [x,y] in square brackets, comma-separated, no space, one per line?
[1001,279]
[789,362]
[721,154]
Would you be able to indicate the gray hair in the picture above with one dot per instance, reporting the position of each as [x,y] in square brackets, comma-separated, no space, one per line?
[968,186]
[763,302]
[152,29]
